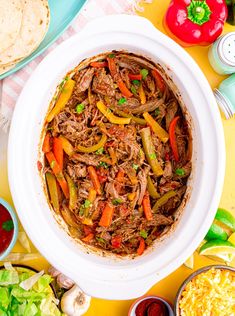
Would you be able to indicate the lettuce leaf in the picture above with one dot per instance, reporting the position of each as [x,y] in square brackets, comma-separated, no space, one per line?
[8,277]
[4,298]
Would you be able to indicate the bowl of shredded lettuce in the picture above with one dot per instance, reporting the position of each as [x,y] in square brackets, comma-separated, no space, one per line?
[26,292]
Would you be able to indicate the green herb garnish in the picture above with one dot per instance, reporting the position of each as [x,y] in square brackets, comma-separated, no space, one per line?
[100,151]
[144,73]
[116,201]
[87,203]
[134,166]
[122,101]
[99,239]
[63,83]
[143,234]
[111,55]
[8,225]
[180,172]
[153,156]
[103,164]
[157,112]
[80,108]
[136,82]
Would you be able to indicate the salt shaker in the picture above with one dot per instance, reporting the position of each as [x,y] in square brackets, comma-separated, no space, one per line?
[225,96]
[222,54]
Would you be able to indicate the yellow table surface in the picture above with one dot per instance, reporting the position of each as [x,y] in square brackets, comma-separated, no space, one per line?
[169,286]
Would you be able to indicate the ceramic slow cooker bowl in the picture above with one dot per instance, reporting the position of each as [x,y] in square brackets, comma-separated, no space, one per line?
[111,277]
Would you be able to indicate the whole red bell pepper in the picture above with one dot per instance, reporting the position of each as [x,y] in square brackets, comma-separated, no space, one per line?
[191,22]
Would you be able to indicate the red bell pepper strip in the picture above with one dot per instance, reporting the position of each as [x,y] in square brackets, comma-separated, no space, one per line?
[135,77]
[173,138]
[192,22]
[147,207]
[58,151]
[141,247]
[159,81]
[99,64]
[116,241]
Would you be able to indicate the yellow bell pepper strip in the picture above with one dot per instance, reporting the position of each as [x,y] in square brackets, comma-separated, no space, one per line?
[58,173]
[53,192]
[131,196]
[151,188]
[62,100]
[150,151]
[113,155]
[67,146]
[132,117]
[147,207]
[94,179]
[107,216]
[93,148]
[110,116]
[157,129]
[142,94]
[163,200]
[73,194]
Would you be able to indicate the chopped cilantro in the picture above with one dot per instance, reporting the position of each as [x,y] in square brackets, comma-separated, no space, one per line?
[136,82]
[100,151]
[63,83]
[122,101]
[143,234]
[144,73]
[180,172]
[103,164]
[111,55]
[152,156]
[99,239]
[80,108]
[134,166]
[116,201]
[157,112]
[8,225]
[87,203]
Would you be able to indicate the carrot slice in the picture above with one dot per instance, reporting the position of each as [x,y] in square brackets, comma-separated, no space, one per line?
[46,143]
[120,180]
[141,247]
[58,173]
[173,138]
[123,88]
[99,64]
[58,151]
[147,207]
[160,83]
[95,180]
[107,216]
[88,238]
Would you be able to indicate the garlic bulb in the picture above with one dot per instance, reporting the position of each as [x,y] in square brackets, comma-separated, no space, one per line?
[75,302]
[64,282]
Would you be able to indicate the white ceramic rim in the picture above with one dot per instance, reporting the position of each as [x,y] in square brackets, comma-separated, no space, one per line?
[121,281]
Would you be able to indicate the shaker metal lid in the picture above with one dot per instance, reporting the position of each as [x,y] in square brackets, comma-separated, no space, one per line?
[226,49]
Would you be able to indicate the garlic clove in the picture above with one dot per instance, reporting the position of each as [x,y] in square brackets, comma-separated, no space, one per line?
[64,282]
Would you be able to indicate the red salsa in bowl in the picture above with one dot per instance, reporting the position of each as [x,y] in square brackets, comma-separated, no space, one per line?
[8,228]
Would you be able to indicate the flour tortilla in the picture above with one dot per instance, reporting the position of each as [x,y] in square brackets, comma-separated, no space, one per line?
[35,22]
[10,21]
[5,68]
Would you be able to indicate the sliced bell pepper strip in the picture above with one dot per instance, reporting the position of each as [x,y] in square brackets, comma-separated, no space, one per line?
[67,146]
[120,180]
[131,196]
[58,151]
[123,88]
[99,64]
[91,199]
[163,200]
[88,221]
[58,173]
[135,77]
[141,247]
[173,138]
[147,207]
[157,129]
[151,188]
[132,117]
[93,148]
[150,151]
[88,238]
[53,192]
[95,180]
[160,83]
[46,147]
[73,194]
[110,116]
[107,216]
[69,217]
[62,100]
[142,94]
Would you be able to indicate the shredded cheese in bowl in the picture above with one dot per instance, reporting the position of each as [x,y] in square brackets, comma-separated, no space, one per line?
[211,293]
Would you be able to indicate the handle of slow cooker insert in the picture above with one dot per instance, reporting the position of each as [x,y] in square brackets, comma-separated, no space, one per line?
[121,22]
[116,290]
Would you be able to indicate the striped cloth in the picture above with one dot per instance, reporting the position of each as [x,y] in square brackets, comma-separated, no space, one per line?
[11,86]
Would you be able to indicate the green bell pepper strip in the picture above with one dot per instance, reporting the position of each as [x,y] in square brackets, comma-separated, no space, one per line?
[151,188]
[53,191]
[163,200]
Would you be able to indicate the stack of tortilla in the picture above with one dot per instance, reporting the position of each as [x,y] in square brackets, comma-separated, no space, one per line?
[23,25]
